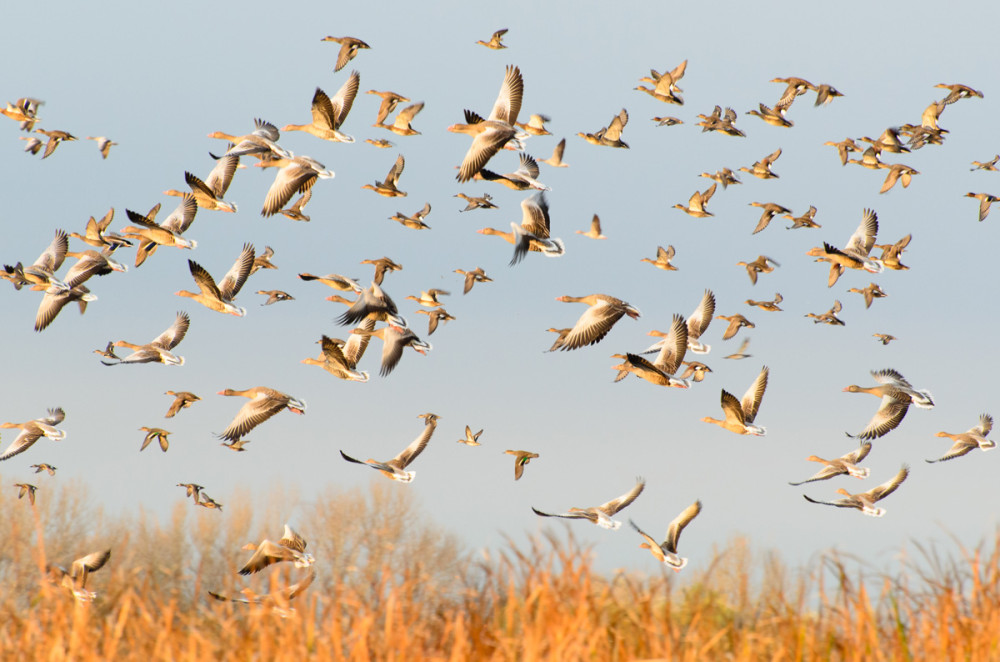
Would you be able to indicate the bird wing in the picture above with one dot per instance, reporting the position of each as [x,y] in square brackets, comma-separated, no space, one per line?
[174,334]
[508,103]
[292,540]
[702,315]
[593,325]
[407,114]
[674,347]
[858,454]
[267,552]
[889,414]
[21,443]
[340,104]
[291,179]
[617,125]
[410,453]
[231,283]
[204,280]
[395,171]
[535,215]
[182,217]
[751,399]
[888,487]
[731,408]
[252,414]
[613,506]
[677,525]
[484,146]
[864,237]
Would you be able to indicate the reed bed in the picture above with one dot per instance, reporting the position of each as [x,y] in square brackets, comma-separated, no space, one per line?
[388,591]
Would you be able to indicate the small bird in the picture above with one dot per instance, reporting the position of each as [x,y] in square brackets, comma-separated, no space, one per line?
[770,210]
[884,338]
[965,442]
[416,221]
[33,146]
[803,221]
[736,322]
[477,275]
[601,515]
[274,296]
[740,414]
[75,579]
[471,438]
[611,135]
[26,489]
[39,468]
[990,166]
[825,94]
[843,147]
[209,502]
[381,143]
[663,258]
[891,252]
[897,172]
[395,468]
[476,203]
[770,306]
[349,47]
[762,169]
[193,490]
[666,552]
[108,352]
[158,434]
[595,229]
[494,42]
[696,204]
[336,281]
[388,104]
[695,370]
[220,297]
[103,144]
[55,138]
[525,177]
[535,125]
[725,177]
[985,200]
[865,501]
[521,458]
[236,445]
[667,121]
[290,547]
[557,155]
[741,353]
[762,265]
[387,188]
[435,317]
[830,316]
[845,464]
[870,293]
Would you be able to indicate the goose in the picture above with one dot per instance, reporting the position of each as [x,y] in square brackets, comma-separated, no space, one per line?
[328,114]
[762,169]
[262,142]
[39,468]
[26,489]
[209,193]
[663,258]
[387,188]
[394,340]
[770,210]
[602,515]
[396,467]
[263,261]
[159,435]
[845,464]
[897,394]
[435,317]
[104,144]
[643,369]
[595,229]
[471,438]
[372,301]
[472,277]
[349,47]
[525,177]
[416,221]
[336,281]
[295,175]
[220,297]
[891,252]
[696,204]
[521,458]
[264,403]
[556,160]
[97,236]
[666,552]
[152,235]
[182,399]
[762,265]
[533,232]
[667,362]
[290,547]
[865,501]
[91,263]
[158,350]
[856,254]
[697,324]
[611,135]
[55,299]
[476,203]
[495,41]
[870,293]
[491,134]
[333,360]
[75,579]
[740,414]
[274,296]
[41,273]
[965,442]
[603,312]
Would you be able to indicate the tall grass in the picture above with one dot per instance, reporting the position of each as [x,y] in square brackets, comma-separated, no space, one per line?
[393,586]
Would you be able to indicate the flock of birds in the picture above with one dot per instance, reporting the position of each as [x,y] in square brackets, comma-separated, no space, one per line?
[372,312]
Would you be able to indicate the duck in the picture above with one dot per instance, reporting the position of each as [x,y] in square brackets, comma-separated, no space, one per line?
[856,254]
[666,551]
[884,338]
[740,414]
[674,346]
[349,47]
[762,169]
[33,145]
[794,87]
[843,147]
[826,93]
[41,273]
[725,177]
[26,489]
[55,138]
[887,142]
[869,159]
[773,116]
[333,360]
[556,160]
[381,143]
[328,114]
[559,339]
[383,265]
[602,515]
[723,123]
[803,221]
[663,258]
[471,438]
[295,175]
[611,135]
[769,306]
[209,502]
[96,234]
[603,312]
[237,446]
[595,229]
[845,464]
[262,142]
[830,316]
[762,265]
[24,110]
[870,293]
[336,281]
[394,340]
[736,322]
[435,317]
[396,467]
[290,547]
[491,134]
[104,144]
[696,204]
[535,125]
[667,120]
[664,87]
[966,442]
[495,42]
[402,125]
[75,579]
[416,221]
[865,501]
[897,394]
[740,353]
[295,210]
[985,200]
[108,352]
[264,403]
[182,399]
[279,601]
[695,370]
[274,296]
[387,188]
[220,297]
[770,210]
[958,91]
[152,235]
[39,468]
[32,431]
[429,298]
[521,458]
[472,277]
[193,490]
[158,350]
[989,166]
[388,104]
[525,177]
[897,172]
[375,302]
[476,203]
[155,434]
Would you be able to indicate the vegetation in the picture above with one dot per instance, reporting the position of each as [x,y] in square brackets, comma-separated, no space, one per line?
[392,585]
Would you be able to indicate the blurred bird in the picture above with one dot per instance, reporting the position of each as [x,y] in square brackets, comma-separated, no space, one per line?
[521,458]
[845,464]
[395,468]
[666,552]
[602,515]
[865,501]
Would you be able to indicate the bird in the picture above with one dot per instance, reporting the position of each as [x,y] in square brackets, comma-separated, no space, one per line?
[696,204]
[334,360]
[762,265]
[762,169]
[96,233]
[373,301]
[663,258]
[725,177]
[262,142]
[416,221]
[39,468]
[770,209]
[525,177]
[471,438]
[279,601]
[152,235]
[396,467]
[667,121]
[209,502]
[741,353]
[958,91]
[845,464]
[349,47]
[666,552]
[235,446]
[55,138]
[611,135]
[897,172]
[155,434]
[664,366]
[803,221]
[435,317]
[380,143]
[557,155]
[295,175]
[794,87]
[491,134]
[26,489]
[773,116]
[220,297]
[856,254]
[521,458]
[534,231]
[989,166]
[383,265]
[884,338]
[33,146]
[736,322]
[295,211]
[495,41]
[264,403]
[595,229]
[472,277]
[394,340]
[965,442]
[740,414]
[843,147]
[402,125]
[897,394]
[722,123]
[597,321]
[193,490]
[770,306]
[108,352]
[830,316]
[158,349]
[985,200]
[32,431]
[274,296]
[643,369]
[825,94]
[602,515]
[75,579]
[891,252]
[290,547]
[388,104]
[336,281]
[41,273]
[208,194]
[865,501]
[328,114]
[387,187]
[535,125]
[870,293]
[104,145]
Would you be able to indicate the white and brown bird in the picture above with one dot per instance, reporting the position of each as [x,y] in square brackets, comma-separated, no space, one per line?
[290,547]
[490,135]
[32,431]
[349,47]
[740,414]
[328,114]
[845,464]
[603,312]
[856,254]
[220,297]
[264,403]
[75,579]
[396,467]
[896,394]
[602,515]
[865,501]
[666,551]
[521,458]
[471,438]
[159,349]
[966,442]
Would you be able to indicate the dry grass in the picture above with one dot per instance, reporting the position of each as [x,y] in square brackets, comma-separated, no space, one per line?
[392,586]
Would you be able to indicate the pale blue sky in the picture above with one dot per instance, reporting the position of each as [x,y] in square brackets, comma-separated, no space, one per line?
[158,81]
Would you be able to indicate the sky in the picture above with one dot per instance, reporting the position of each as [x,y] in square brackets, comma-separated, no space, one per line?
[157,82]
